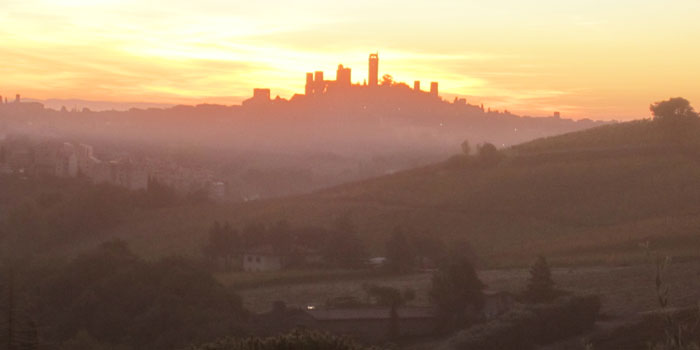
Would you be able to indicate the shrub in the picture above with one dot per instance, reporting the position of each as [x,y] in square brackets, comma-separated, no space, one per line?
[527,326]
[296,340]
[540,287]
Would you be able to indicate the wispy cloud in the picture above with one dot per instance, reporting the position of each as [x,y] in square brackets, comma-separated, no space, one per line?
[589,58]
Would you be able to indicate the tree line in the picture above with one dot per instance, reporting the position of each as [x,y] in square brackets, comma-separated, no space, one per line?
[339,245]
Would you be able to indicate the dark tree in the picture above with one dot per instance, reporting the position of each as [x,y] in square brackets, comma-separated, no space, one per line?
[466,148]
[254,235]
[429,250]
[214,247]
[22,226]
[232,244]
[540,287]
[674,109]
[393,299]
[19,330]
[387,80]
[282,238]
[399,252]
[121,299]
[344,248]
[456,291]
[311,237]
[223,245]
[461,248]
[488,154]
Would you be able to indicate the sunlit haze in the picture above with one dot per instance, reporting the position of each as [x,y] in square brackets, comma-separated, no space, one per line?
[598,59]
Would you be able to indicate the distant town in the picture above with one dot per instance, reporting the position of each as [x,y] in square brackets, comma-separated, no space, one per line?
[22,156]
[407,126]
[316,85]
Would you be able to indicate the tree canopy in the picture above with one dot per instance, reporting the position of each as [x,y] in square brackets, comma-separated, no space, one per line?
[455,290]
[392,298]
[540,287]
[399,252]
[121,299]
[674,109]
[466,147]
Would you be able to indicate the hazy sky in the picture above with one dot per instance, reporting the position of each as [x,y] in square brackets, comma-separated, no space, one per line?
[585,58]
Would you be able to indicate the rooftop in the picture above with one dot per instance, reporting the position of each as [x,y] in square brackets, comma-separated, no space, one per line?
[370,313]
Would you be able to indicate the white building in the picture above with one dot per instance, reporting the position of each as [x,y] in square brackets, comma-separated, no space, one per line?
[67,161]
[217,190]
[263,260]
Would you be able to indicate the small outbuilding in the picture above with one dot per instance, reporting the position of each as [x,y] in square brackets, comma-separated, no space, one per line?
[262,260]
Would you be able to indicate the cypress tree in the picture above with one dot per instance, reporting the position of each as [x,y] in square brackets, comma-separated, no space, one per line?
[540,287]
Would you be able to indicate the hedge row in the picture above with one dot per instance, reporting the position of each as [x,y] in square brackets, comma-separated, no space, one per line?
[296,340]
[528,325]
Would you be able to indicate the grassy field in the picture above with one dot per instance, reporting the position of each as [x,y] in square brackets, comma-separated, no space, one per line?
[246,280]
[626,290]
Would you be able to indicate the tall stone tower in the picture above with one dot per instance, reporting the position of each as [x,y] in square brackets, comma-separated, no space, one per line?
[373,69]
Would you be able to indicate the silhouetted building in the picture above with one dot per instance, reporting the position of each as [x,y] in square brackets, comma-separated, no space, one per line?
[342,76]
[316,85]
[434,88]
[373,69]
[260,96]
[557,115]
[17,98]
[309,88]
[319,83]
[262,259]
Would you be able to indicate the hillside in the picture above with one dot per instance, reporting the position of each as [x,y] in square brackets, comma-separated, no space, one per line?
[590,196]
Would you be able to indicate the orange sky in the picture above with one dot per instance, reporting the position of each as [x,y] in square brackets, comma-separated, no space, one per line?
[593,58]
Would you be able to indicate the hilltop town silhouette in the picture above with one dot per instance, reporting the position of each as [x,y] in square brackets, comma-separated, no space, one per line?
[337,115]
[317,86]
[335,131]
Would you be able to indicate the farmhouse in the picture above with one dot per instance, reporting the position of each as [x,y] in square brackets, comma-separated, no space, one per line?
[268,258]
[262,260]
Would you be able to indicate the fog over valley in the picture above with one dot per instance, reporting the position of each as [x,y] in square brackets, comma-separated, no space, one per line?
[268,147]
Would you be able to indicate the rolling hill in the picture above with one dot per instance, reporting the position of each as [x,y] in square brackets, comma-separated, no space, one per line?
[591,196]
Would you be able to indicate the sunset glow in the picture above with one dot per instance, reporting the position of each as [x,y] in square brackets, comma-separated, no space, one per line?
[597,59]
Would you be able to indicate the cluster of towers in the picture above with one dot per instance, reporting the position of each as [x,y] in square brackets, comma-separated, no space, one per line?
[316,85]
[17,99]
